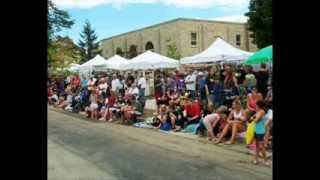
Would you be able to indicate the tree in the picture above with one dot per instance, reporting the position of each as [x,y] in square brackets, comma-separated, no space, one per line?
[57,20]
[260,22]
[173,51]
[88,47]
[62,53]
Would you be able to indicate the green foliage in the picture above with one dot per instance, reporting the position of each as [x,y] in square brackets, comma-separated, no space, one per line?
[57,20]
[62,52]
[173,51]
[87,45]
[260,22]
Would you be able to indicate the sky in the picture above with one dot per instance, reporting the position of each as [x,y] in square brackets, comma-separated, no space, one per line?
[113,17]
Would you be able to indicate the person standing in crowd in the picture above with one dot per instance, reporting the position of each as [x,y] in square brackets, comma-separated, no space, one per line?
[115,84]
[250,79]
[142,84]
[262,79]
[178,78]
[84,82]
[240,74]
[223,72]
[230,87]
[76,81]
[171,84]
[67,81]
[253,97]
[235,122]
[201,90]
[259,118]
[103,86]
[190,82]
[211,80]
[133,90]
[130,79]
[91,86]
[175,77]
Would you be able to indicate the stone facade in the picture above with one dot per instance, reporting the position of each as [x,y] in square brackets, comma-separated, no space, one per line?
[178,31]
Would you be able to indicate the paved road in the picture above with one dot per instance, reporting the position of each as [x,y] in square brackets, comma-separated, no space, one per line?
[80,149]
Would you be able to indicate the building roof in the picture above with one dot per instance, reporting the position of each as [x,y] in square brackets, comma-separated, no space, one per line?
[172,21]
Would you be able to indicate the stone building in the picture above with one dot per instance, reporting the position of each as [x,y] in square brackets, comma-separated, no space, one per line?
[190,36]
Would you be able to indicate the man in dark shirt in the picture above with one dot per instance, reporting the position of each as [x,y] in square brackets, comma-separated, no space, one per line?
[240,75]
[262,79]
[130,79]
[224,71]
[211,79]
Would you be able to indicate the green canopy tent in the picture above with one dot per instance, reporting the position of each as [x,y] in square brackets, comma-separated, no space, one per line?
[262,56]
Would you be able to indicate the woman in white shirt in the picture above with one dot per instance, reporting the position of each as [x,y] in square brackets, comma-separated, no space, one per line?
[236,122]
[133,90]
[142,86]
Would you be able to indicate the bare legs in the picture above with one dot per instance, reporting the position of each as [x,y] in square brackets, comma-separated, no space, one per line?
[235,126]
[259,147]
[224,133]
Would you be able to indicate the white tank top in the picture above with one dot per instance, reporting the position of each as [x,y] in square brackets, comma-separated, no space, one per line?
[237,116]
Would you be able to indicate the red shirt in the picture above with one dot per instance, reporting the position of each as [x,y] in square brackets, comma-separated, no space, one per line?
[193,109]
[76,81]
[111,101]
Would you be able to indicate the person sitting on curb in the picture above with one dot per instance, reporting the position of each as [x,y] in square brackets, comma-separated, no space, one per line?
[235,122]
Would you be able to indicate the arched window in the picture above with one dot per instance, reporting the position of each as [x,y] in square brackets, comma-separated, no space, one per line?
[119,51]
[132,51]
[149,46]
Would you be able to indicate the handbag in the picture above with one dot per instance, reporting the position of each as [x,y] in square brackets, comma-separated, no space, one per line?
[250,132]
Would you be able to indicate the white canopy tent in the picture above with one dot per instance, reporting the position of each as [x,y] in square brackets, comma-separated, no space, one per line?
[89,65]
[218,51]
[116,62]
[151,60]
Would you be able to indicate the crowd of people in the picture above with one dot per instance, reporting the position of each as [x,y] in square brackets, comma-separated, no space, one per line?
[220,101]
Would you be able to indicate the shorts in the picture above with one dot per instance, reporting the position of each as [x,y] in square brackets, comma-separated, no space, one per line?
[259,137]
[93,106]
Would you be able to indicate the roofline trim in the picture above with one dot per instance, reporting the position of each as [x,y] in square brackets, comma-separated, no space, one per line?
[170,21]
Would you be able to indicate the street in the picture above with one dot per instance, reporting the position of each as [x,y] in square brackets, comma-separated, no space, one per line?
[89,150]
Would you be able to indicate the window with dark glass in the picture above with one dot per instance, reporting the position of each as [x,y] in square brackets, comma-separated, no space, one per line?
[238,40]
[193,39]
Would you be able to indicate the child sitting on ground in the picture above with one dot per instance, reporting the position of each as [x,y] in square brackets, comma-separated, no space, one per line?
[126,112]
[211,120]
[164,118]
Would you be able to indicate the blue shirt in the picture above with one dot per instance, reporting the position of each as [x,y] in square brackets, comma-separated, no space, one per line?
[201,83]
[260,125]
[84,82]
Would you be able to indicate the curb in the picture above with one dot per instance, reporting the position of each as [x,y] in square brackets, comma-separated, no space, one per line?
[234,148]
